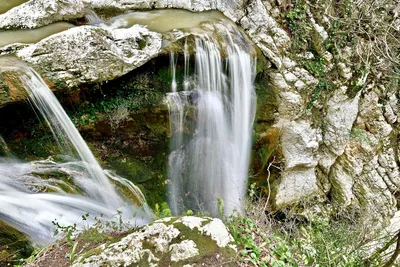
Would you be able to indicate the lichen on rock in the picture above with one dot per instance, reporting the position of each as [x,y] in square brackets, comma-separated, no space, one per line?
[168,241]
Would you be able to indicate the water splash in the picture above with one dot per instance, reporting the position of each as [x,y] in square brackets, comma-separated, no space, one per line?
[211,131]
[30,202]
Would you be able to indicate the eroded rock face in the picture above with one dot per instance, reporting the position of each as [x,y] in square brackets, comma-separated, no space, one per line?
[91,54]
[298,180]
[367,173]
[186,240]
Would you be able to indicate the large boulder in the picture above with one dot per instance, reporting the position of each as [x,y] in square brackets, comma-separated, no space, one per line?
[189,240]
[91,54]
[173,241]
[33,13]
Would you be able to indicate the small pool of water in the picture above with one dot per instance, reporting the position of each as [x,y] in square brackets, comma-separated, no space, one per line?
[165,20]
[6,5]
[34,35]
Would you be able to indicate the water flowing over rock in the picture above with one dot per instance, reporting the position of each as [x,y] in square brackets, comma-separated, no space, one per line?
[213,163]
[33,212]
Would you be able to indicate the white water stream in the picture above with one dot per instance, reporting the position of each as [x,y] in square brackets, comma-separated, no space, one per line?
[22,202]
[211,129]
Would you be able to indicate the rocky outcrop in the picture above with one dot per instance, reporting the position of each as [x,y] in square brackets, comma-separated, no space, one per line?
[91,54]
[366,175]
[185,241]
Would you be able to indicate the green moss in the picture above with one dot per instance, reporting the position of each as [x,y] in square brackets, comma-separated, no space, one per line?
[13,245]
[315,66]
[34,146]
[322,86]
[267,104]
[4,87]
[299,26]
[88,254]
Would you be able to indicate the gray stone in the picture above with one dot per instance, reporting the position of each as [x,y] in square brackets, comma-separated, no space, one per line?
[340,116]
[298,180]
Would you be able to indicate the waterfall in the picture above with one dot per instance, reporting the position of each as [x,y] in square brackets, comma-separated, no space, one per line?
[186,81]
[211,128]
[24,206]
[173,71]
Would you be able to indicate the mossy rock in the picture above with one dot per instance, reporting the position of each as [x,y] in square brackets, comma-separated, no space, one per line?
[14,245]
[173,241]
[11,87]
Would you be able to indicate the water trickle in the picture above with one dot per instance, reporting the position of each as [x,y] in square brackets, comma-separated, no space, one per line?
[93,19]
[22,201]
[211,131]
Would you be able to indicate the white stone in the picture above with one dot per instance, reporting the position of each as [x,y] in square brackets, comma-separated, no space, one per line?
[259,25]
[290,104]
[300,85]
[389,114]
[184,250]
[290,77]
[341,114]
[288,63]
[296,185]
[218,232]
[298,178]
[299,142]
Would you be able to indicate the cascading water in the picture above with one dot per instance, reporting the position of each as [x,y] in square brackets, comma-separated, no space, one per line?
[33,212]
[211,129]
